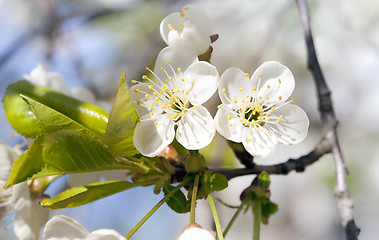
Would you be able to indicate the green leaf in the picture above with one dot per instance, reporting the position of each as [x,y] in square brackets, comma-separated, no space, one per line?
[62,152]
[65,147]
[23,120]
[177,202]
[217,182]
[268,208]
[122,122]
[78,196]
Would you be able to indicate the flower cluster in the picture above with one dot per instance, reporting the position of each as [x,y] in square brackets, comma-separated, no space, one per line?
[254,111]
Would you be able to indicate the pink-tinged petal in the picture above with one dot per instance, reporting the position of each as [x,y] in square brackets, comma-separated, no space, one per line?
[293,128]
[234,86]
[196,128]
[102,234]
[152,135]
[229,129]
[259,144]
[277,81]
[62,228]
[202,79]
[178,57]
[174,20]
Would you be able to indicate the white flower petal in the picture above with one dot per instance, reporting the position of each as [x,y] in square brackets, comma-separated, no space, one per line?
[174,20]
[196,128]
[83,94]
[230,132]
[196,233]
[272,72]
[138,93]
[197,16]
[56,82]
[150,139]
[204,78]
[189,28]
[234,85]
[259,143]
[293,128]
[29,220]
[64,228]
[105,234]
[178,57]
[7,157]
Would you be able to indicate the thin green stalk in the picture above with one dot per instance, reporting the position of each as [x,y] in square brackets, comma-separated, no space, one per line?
[155,208]
[194,197]
[257,210]
[243,203]
[215,217]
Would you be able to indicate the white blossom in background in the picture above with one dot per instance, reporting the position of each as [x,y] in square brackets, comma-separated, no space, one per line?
[195,231]
[29,217]
[39,76]
[65,228]
[173,101]
[254,110]
[190,27]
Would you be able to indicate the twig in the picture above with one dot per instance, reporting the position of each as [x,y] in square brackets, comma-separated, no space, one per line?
[298,165]
[345,203]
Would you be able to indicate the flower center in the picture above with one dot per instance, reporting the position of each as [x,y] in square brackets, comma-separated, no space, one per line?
[250,114]
[165,96]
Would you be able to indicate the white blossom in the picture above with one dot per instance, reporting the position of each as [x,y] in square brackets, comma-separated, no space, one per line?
[16,200]
[65,228]
[190,27]
[254,110]
[195,231]
[173,101]
[39,76]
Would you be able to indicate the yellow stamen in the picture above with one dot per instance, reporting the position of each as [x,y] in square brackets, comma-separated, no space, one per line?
[280,98]
[219,106]
[240,89]
[246,75]
[147,69]
[155,123]
[293,100]
[223,90]
[268,86]
[134,81]
[151,113]
[260,75]
[150,86]
[280,81]
[144,77]
[192,83]
[254,89]
[147,95]
[167,63]
[136,91]
[230,117]
[138,103]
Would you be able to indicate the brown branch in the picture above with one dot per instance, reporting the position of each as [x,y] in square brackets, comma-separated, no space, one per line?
[345,203]
[298,165]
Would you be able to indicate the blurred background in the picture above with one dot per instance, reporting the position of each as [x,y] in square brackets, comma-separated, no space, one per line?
[90,42]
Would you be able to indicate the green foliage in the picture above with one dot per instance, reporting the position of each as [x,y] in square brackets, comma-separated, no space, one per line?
[122,122]
[78,196]
[215,181]
[178,201]
[64,147]
[23,120]
[259,195]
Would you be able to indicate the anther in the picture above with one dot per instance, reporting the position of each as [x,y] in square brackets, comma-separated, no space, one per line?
[230,117]
[147,69]
[136,90]
[155,123]
[179,70]
[254,89]
[293,100]
[147,95]
[151,113]
[280,98]
[138,103]
[246,75]
[150,86]
[280,81]
[260,75]
[240,89]
[134,81]
[223,90]
[167,63]
[268,86]
[192,83]
[219,106]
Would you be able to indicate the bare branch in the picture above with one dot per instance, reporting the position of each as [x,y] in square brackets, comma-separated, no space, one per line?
[298,165]
[345,203]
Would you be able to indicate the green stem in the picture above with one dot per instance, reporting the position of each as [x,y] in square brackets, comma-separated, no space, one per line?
[194,197]
[257,210]
[155,208]
[243,203]
[215,217]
